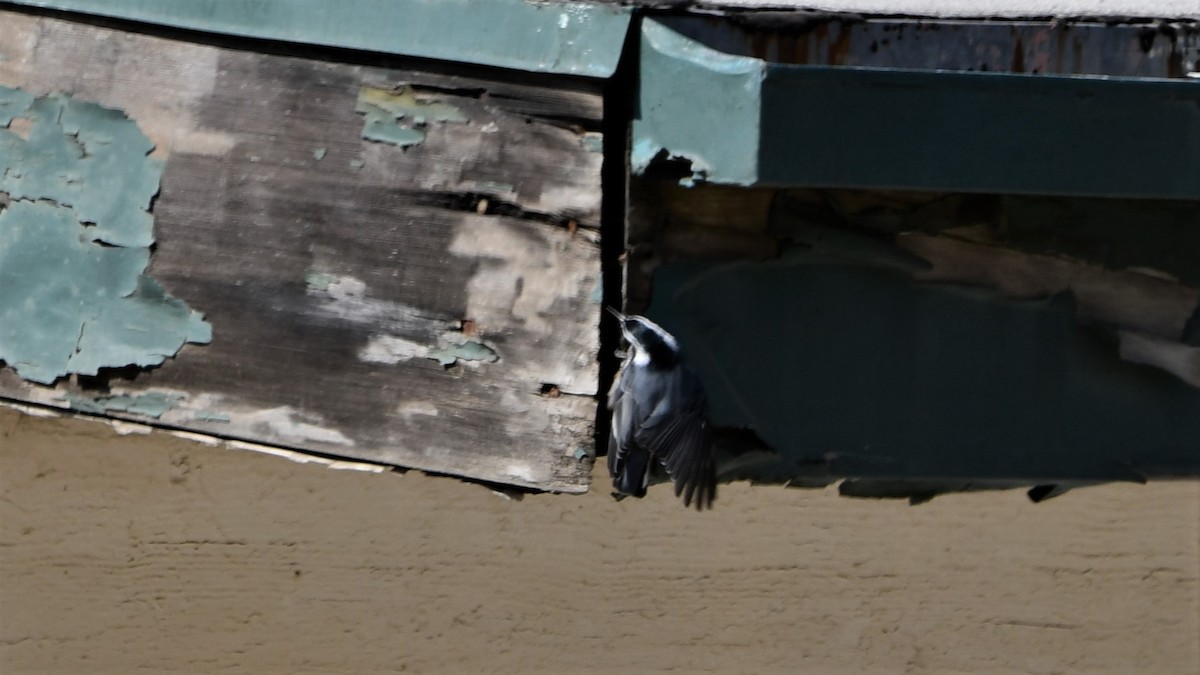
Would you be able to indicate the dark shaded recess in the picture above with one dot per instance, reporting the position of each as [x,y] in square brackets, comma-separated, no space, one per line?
[857,367]
[620,102]
[1191,331]
[1116,233]
[471,201]
[1162,235]
[856,229]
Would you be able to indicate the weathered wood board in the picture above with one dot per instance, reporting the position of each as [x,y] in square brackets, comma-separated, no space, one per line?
[430,304]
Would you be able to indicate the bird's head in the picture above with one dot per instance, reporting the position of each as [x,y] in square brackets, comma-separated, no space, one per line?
[651,344]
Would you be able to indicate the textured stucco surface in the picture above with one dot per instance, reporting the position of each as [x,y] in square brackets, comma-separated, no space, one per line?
[148,551]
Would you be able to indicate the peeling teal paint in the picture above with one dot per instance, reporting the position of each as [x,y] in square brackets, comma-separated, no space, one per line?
[572,38]
[400,117]
[592,141]
[211,416]
[467,351]
[383,131]
[74,244]
[494,188]
[319,281]
[88,158]
[84,404]
[152,404]
[392,349]
[319,154]
[405,104]
[13,102]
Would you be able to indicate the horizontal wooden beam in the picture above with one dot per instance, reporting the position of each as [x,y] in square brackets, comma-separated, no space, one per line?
[734,119]
[569,38]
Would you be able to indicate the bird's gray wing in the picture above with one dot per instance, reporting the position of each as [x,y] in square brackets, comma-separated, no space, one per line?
[623,422]
[676,432]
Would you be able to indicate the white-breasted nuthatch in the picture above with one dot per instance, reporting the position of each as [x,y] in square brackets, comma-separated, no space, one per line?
[659,413]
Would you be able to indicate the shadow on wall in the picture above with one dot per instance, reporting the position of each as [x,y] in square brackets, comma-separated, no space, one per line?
[848,367]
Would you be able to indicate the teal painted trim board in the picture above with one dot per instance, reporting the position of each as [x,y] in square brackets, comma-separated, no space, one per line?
[977,132]
[549,37]
[740,120]
[697,104]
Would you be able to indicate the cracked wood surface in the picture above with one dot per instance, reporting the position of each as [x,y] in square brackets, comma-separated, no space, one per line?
[340,274]
[151,552]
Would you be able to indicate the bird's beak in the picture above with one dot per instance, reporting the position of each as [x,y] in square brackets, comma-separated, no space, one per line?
[620,316]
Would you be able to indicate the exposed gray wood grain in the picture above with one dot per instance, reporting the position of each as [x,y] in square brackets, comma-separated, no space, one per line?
[333,268]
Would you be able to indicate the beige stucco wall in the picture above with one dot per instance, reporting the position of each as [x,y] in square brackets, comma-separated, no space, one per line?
[119,552]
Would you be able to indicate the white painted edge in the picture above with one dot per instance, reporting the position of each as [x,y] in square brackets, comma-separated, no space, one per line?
[32,411]
[303,458]
[125,428]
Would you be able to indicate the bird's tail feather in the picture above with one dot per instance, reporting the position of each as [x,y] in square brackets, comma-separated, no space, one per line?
[633,475]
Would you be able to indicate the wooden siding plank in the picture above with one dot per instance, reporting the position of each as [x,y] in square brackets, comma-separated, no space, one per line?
[336,271]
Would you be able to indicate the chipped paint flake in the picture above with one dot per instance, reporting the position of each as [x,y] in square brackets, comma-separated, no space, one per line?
[203,439]
[592,141]
[289,426]
[401,117]
[391,349]
[74,243]
[302,458]
[492,188]
[12,103]
[319,281]
[129,428]
[465,351]
[416,336]
[520,471]
[410,409]
[522,271]
[346,298]
[152,404]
